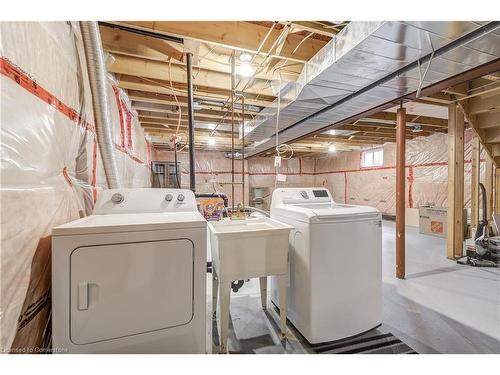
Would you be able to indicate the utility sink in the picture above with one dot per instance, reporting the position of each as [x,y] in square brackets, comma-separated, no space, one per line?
[249,248]
[244,249]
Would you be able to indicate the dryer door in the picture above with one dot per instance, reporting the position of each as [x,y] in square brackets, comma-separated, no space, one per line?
[127,289]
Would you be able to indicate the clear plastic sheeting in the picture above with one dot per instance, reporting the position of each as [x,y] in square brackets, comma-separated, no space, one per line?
[213,173]
[263,174]
[426,175]
[342,174]
[212,170]
[51,168]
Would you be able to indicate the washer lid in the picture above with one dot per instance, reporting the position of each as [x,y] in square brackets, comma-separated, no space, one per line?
[114,223]
[325,212]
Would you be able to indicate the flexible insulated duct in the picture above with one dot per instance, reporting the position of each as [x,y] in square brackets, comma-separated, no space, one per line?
[366,65]
[97,72]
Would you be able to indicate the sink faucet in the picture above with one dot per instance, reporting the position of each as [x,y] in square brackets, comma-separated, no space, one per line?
[239,214]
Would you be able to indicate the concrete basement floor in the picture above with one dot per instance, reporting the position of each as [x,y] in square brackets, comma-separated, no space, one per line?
[441,307]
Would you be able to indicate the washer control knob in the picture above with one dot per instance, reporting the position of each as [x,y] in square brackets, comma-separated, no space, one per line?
[117,198]
[304,194]
[180,197]
[169,197]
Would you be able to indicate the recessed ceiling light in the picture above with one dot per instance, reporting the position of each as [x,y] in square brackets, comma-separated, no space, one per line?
[211,141]
[332,148]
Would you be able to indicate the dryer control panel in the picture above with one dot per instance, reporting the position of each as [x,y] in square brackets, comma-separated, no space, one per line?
[141,200]
[301,195]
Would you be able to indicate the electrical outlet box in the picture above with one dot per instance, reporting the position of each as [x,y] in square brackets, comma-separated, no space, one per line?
[277,161]
[281,177]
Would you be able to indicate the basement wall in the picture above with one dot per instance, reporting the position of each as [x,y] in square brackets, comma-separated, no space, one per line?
[51,166]
[213,173]
[342,174]
[426,173]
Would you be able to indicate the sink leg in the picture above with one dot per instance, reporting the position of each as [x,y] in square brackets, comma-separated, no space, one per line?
[282,281]
[263,292]
[215,291]
[225,295]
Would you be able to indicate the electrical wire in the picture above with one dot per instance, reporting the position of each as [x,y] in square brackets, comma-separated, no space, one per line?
[279,146]
[178,184]
[175,97]
[302,41]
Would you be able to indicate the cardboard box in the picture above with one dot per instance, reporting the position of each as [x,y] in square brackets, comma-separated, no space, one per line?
[433,221]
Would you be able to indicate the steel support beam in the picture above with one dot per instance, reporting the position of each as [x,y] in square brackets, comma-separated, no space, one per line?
[400,191]
[189,66]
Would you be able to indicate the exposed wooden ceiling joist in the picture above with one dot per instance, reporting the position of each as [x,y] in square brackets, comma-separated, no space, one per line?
[314,27]
[201,92]
[121,43]
[237,35]
[168,99]
[157,70]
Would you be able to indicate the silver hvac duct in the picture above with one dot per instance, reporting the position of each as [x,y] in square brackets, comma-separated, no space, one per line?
[96,67]
[368,64]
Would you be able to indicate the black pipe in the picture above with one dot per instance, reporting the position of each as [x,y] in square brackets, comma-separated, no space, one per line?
[177,180]
[133,30]
[189,64]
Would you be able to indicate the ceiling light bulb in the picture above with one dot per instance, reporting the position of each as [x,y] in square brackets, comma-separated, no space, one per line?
[211,141]
[211,126]
[332,148]
[196,105]
[245,70]
[245,57]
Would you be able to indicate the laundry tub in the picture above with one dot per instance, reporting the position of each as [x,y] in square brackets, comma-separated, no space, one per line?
[244,249]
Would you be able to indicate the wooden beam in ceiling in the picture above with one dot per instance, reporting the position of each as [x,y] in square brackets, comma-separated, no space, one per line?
[414,119]
[157,70]
[314,27]
[488,120]
[204,113]
[127,43]
[370,127]
[201,92]
[168,99]
[171,118]
[483,104]
[237,35]
[121,43]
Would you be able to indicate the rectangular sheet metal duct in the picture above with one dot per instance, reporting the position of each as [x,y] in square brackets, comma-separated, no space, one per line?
[369,64]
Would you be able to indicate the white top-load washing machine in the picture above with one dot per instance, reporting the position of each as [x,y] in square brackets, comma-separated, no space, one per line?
[335,264]
[131,277]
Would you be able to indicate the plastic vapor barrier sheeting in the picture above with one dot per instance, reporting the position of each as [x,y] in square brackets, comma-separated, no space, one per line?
[426,175]
[51,169]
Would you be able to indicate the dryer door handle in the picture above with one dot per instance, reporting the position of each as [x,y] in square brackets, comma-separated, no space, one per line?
[83,295]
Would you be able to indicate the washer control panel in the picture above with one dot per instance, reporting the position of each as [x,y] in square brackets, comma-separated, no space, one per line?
[301,195]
